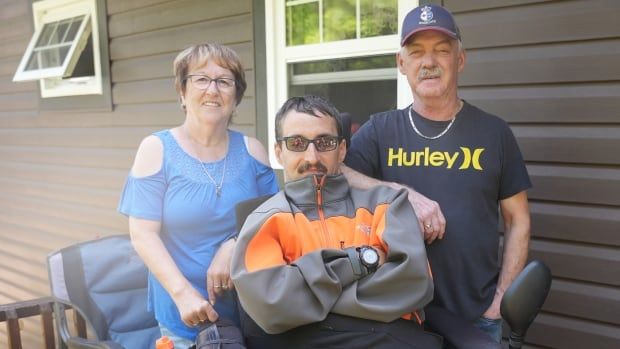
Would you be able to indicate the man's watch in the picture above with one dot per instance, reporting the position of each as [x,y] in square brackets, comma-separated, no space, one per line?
[369,258]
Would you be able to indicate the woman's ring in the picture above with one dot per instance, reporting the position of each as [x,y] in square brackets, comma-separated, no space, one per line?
[428,226]
[217,286]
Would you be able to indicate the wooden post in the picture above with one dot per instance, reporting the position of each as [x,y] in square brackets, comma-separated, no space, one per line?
[80,324]
[47,324]
[12,326]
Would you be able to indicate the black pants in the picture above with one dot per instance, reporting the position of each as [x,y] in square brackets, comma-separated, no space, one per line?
[338,331]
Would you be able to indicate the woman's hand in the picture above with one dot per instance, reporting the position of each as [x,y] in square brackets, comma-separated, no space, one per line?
[218,274]
[193,308]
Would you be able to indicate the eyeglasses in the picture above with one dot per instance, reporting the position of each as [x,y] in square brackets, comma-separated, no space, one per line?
[300,143]
[203,82]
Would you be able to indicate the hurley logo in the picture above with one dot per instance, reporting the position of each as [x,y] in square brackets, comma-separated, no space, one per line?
[467,158]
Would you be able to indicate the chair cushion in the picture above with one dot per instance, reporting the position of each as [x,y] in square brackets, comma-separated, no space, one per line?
[107,281]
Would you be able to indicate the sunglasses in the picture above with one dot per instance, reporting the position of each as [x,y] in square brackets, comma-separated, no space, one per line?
[321,143]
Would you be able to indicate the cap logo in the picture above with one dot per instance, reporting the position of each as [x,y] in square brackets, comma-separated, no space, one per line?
[426,16]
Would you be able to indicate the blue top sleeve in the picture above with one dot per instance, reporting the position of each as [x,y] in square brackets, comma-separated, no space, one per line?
[266,180]
[143,197]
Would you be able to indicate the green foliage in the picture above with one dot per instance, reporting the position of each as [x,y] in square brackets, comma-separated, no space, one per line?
[377,17]
[302,24]
[338,20]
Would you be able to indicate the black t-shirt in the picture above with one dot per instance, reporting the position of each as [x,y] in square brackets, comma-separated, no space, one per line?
[468,170]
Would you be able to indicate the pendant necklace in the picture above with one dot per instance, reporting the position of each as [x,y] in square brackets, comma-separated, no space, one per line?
[441,133]
[218,187]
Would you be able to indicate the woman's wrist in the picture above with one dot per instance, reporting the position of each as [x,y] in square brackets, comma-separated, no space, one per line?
[179,290]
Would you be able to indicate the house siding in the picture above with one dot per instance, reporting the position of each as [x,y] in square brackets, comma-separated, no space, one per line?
[547,67]
[550,68]
[61,172]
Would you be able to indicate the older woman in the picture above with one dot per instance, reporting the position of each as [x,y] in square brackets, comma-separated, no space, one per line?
[181,193]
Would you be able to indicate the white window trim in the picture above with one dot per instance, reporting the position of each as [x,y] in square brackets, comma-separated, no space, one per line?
[350,76]
[278,56]
[50,80]
[23,75]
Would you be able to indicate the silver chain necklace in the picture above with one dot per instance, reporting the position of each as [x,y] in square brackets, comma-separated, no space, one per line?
[427,137]
[218,188]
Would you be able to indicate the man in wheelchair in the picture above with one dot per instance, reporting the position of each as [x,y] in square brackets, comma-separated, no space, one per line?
[321,264]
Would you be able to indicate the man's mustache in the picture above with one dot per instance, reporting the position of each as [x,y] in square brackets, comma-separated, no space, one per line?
[429,73]
[318,166]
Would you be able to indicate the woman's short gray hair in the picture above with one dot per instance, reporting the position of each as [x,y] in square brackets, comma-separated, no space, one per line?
[198,55]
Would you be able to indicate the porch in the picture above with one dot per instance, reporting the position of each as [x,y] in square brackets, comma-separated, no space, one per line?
[43,309]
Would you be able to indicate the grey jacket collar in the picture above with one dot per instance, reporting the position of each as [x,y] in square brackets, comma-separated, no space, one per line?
[304,191]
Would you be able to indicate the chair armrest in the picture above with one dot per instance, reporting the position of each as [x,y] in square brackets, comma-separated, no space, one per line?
[73,342]
[81,343]
[456,331]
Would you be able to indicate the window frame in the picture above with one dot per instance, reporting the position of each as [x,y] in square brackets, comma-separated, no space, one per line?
[69,61]
[279,56]
[92,92]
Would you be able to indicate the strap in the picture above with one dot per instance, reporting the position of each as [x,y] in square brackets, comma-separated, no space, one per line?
[221,334]
[356,264]
[77,289]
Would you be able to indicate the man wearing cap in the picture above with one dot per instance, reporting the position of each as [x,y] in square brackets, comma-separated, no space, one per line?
[464,159]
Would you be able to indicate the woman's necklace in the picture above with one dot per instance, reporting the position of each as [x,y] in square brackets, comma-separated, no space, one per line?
[441,133]
[218,187]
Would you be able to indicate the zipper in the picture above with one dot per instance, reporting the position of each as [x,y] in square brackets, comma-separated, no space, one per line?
[319,206]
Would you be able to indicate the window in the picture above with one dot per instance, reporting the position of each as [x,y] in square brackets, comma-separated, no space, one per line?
[64,53]
[57,46]
[359,86]
[316,21]
[343,50]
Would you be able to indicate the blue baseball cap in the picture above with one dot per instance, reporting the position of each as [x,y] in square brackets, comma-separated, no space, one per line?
[429,17]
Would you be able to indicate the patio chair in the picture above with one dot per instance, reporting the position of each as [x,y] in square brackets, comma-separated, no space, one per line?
[106,282]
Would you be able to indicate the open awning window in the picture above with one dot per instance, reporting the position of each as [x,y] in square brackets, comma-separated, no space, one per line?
[54,49]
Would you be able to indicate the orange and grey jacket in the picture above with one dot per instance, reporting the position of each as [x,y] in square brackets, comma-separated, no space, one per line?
[290,268]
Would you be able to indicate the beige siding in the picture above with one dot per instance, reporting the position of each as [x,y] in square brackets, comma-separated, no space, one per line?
[550,68]
[61,172]
[547,67]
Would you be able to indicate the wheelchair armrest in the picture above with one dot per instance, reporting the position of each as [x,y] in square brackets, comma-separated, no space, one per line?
[456,331]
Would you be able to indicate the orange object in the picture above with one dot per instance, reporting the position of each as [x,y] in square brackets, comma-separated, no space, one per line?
[164,343]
